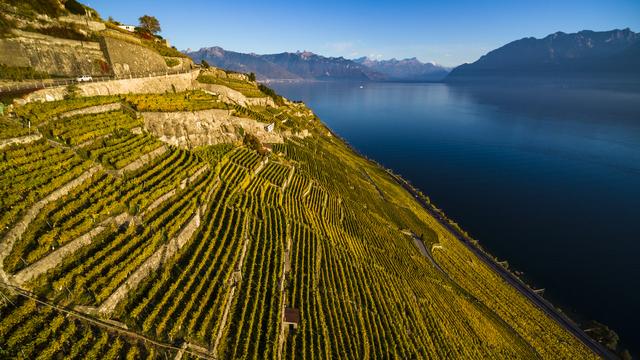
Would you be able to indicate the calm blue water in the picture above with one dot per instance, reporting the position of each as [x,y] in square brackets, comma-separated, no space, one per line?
[546,177]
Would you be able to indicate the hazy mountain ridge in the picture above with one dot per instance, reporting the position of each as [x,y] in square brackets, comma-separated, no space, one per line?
[558,54]
[241,62]
[301,65]
[304,65]
[410,69]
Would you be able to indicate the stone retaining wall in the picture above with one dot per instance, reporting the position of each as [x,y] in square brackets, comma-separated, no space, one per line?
[206,127]
[236,96]
[52,55]
[92,110]
[147,85]
[19,140]
[127,58]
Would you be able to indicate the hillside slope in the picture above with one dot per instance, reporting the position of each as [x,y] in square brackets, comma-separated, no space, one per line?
[209,246]
[202,215]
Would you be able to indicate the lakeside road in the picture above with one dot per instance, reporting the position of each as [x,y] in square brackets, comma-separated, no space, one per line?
[511,279]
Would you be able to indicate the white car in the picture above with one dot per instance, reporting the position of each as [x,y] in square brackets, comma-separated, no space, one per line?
[84,78]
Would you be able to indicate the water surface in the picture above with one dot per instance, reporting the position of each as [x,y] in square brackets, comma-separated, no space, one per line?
[546,177]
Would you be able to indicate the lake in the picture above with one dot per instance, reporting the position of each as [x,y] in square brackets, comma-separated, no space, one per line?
[546,177]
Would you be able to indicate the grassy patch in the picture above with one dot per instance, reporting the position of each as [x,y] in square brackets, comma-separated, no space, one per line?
[183,101]
[246,88]
[34,7]
[171,62]
[39,112]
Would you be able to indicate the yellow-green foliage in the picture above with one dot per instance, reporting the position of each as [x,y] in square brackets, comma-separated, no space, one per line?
[32,331]
[213,153]
[78,129]
[246,88]
[182,101]
[312,226]
[18,73]
[171,62]
[38,112]
[11,128]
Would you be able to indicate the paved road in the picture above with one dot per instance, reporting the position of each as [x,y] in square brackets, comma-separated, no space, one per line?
[21,87]
[514,281]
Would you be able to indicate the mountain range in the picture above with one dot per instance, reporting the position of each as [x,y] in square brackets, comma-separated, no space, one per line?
[304,65]
[592,53]
[582,54]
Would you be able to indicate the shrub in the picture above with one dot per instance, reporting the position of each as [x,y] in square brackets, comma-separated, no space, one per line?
[172,62]
[18,73]
[272,94]
[6,25]
[252,142]
[65,32]
[47,7]
[74,7]
[72,92]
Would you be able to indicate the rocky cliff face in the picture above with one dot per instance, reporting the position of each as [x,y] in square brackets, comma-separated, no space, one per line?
[207,127]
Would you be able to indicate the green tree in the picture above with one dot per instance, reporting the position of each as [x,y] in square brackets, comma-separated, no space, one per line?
[150,24]
[205,64]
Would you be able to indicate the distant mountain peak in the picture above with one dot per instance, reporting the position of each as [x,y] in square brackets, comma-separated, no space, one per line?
[407,69]
[305,54]
[583,53]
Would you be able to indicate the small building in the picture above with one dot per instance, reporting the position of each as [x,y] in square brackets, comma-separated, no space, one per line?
[270,127]
[291,317]
[129,28]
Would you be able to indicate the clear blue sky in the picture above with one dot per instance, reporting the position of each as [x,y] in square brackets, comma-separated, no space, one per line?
[447,32]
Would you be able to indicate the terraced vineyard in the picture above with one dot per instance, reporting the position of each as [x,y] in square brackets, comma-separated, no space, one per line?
[125,247]
[244,87]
